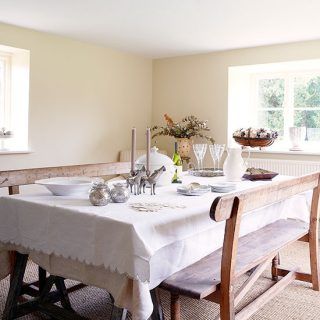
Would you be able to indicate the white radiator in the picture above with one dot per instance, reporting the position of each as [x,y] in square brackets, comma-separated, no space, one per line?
[286,167]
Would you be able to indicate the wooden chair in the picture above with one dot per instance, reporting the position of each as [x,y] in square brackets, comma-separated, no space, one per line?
[213,278]
[13,179]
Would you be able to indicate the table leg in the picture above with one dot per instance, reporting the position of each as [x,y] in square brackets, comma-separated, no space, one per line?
[157,313]
[15,286]
[61,288]
[118,313]
[42,274]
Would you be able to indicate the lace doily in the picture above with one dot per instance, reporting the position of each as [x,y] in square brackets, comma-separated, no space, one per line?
[153,206]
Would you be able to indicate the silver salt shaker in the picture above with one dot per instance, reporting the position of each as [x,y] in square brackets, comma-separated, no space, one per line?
[100,194]
[120,192]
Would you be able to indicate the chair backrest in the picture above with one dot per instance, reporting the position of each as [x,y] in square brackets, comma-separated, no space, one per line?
[12,179]
[230,208]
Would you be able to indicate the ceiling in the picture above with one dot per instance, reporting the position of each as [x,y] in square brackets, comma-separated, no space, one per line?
[162,28]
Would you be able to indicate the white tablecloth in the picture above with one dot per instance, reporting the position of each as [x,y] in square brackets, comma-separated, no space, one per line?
[143,247]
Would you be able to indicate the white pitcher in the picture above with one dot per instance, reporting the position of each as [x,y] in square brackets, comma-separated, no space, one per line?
[234,166]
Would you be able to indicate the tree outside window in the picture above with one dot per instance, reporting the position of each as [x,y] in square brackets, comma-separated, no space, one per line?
[290,100]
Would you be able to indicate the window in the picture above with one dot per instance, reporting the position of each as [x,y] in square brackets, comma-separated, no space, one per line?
[4,90]
[287,100]
[277,96]
[14,98]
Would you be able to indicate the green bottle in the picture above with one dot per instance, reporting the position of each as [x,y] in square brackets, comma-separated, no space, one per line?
[177,163]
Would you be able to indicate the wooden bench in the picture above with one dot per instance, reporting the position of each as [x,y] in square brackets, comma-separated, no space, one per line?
[12,180]
[213,278]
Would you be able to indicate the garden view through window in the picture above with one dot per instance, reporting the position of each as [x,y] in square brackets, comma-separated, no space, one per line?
[290,100]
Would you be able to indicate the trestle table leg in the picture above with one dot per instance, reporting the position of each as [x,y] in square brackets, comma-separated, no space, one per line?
[118,313]
[15,286]
[157,313]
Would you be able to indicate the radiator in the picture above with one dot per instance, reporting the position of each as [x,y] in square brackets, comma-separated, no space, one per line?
[286,167]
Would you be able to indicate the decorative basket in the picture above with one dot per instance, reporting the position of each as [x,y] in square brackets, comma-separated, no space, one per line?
[254,142]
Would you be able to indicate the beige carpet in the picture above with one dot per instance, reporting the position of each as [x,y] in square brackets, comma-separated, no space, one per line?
[298,302]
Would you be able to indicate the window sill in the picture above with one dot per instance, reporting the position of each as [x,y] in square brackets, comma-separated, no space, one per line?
[279,151]
[13,151]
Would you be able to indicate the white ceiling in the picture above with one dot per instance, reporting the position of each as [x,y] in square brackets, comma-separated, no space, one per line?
[161,28]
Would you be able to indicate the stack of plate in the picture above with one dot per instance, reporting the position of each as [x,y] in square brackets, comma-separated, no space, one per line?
[223,187]
[187,190]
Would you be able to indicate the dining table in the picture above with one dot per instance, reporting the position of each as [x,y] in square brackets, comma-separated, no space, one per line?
[127,248]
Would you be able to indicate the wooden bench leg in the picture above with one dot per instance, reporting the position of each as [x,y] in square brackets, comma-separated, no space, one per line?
[15,286]
[274,268]
[314,239]
[314,263]
[227,306]
[175,306]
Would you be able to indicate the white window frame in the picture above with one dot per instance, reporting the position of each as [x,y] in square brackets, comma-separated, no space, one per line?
[288,103]
[5,113]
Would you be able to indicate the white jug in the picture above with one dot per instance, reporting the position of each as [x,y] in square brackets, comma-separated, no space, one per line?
[234,166]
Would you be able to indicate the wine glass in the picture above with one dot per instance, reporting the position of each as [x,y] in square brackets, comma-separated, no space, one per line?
[200,150]
[218,150]
[213,156]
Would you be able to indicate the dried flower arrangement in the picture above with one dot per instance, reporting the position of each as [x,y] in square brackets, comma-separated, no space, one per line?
[188,127]
[260,133]
[252,137]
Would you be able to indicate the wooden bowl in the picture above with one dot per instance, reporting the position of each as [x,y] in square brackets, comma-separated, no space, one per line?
[254,142]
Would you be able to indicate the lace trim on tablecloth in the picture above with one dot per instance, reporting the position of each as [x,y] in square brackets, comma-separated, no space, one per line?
[111,268]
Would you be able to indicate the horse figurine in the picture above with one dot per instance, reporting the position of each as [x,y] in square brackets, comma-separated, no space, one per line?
[134,181]
[152,180]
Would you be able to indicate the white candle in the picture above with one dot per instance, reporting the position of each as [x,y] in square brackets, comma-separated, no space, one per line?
[133,148]
[148,149]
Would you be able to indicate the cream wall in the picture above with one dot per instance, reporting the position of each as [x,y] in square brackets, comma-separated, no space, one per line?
[83,100]
[198,85]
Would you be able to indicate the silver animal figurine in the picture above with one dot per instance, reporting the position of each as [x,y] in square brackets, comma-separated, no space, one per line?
[152,180]
[134,180]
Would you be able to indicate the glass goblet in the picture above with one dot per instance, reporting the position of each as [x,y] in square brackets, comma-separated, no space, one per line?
[200,150]
[213,156]
[218,151]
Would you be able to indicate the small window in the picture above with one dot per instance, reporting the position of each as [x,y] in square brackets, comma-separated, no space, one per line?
[289,100]
[306,104]
[270,107]
[4,90]
[277,96]
[14,99]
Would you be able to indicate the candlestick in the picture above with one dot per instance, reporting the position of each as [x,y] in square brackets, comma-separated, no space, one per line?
[148,150]
[133,149]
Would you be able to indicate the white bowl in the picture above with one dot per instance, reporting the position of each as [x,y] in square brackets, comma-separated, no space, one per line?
[67,186]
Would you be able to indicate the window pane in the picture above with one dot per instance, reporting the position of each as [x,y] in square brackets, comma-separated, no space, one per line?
[307,92]
[309,119]
[271,93]
[272,120]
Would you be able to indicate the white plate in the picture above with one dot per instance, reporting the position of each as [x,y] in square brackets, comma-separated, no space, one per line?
[223,187]
[67,186]
[193,192]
